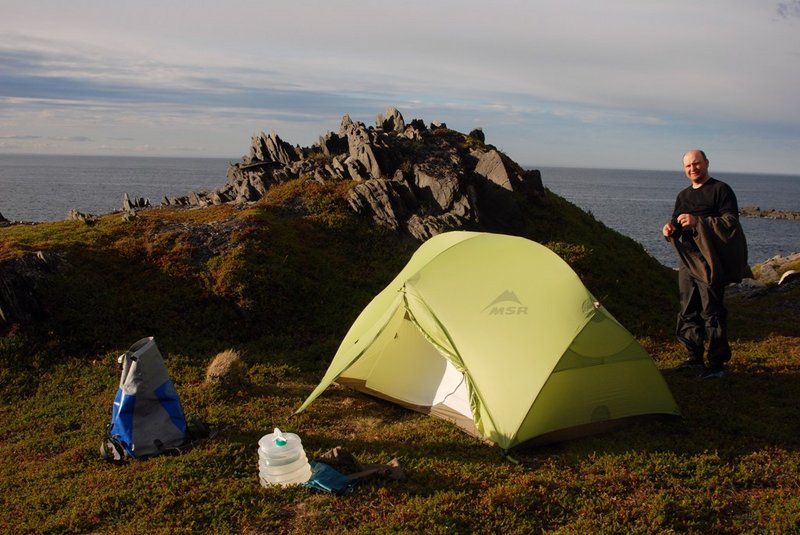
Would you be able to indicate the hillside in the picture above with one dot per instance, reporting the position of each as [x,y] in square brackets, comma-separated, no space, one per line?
[276,264]
[397,184]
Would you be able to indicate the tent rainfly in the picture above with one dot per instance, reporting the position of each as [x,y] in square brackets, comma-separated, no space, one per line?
[498,334]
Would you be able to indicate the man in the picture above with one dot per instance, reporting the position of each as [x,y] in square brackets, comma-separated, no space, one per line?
[711,247]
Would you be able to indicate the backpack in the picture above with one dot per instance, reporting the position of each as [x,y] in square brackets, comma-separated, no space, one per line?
[147,417]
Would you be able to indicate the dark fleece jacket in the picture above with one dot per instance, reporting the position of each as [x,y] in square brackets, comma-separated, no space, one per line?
[723,247]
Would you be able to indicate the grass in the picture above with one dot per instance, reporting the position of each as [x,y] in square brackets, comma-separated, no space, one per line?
[282,289]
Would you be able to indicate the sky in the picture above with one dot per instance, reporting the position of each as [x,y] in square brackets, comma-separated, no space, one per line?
[627,84]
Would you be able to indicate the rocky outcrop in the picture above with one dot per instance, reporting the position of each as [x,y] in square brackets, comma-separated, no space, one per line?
[75,215]
[19,279]
[129,205]
[779,273]
[773,270]
[755,211]
[407,178]
[3,220]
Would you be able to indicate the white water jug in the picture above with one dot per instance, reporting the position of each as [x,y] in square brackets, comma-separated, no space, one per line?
[282,460]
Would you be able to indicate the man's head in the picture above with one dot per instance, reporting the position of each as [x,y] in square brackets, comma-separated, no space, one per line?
[695,165]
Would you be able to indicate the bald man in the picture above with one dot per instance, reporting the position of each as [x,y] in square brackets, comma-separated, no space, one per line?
[712,253]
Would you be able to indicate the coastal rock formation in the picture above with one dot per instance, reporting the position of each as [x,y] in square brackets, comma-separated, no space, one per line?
[779,273]
[75,215]
[129,205]
[774,269]
[3,220]
[755,211]
[407,177]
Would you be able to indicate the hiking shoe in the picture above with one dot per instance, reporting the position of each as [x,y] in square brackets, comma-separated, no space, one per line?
[713,373]
[689,364]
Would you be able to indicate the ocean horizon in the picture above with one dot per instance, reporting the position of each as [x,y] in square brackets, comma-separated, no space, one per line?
[635,203]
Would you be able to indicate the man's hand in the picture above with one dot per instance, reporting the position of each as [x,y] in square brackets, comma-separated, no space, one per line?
[668,229]
[687,220]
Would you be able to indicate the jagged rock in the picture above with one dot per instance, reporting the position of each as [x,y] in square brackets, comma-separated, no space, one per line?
[423,227]
[382,199]
[127,205]
[418,124]
[360,146]
[393,122]
[257,177]
[478,134]
[333,145]
[355,169]
[490,165]
[338,168]
[130,206]
[3,219]
[438,184]
[75,215]
[271,148]
[216,198]
[175,201]
[19,279]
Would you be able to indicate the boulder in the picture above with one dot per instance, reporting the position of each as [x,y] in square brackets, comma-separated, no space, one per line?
[490,165]
[393,122]
[771,271]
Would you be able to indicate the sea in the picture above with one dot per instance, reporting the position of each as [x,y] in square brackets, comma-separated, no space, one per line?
[635,203]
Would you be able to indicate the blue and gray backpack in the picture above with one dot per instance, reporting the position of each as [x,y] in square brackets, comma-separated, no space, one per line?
[147,418]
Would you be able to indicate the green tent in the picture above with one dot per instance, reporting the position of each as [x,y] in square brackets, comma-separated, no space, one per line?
[498,334]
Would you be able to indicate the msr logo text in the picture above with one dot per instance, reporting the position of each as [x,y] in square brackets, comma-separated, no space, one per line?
[509,311]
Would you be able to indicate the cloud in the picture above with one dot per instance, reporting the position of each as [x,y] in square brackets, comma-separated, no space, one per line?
[788,10]
[545,72]
[25,138]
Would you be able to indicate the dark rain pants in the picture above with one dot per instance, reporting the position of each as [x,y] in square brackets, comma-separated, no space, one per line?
[702,318]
